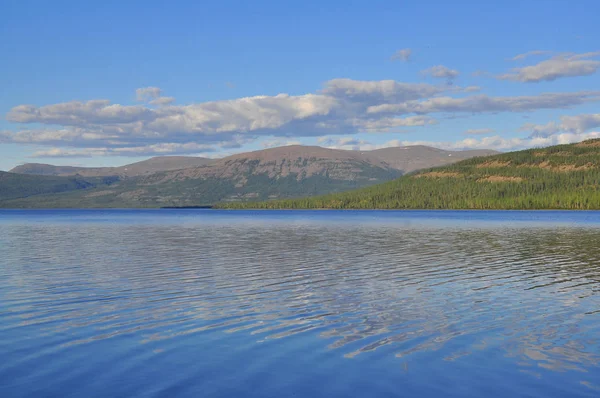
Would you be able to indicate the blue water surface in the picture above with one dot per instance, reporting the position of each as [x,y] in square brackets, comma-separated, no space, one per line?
[211,303]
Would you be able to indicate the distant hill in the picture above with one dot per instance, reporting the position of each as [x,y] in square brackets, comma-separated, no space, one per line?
[284,172]
[417,157]
[557,177]
[150,166]
[300,162]
[15,186]
[405,159]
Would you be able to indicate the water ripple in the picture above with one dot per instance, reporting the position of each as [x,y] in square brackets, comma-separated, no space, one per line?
[405,292]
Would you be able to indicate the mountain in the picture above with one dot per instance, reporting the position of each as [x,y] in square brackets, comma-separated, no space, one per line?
[284,172]
[557,177]
[14,186]
[405,159]
[150,166]
[300,162]
[417,157]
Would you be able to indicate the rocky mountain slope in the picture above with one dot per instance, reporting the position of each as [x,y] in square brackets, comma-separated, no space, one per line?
[284,172]
[15,186]
[273,161]
[557,177]
[417,157]
[150,166]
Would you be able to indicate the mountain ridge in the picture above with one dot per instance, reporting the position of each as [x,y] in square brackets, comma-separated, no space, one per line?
[17,186]
[555,177]
[170,163]
[152,165]
[282,172]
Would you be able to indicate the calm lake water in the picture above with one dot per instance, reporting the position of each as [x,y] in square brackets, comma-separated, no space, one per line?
[207,303]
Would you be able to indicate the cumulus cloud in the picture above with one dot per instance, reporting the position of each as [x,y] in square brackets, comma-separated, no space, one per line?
[153,96]
[529,54]
[278,143]
[347,143]
[78,113]
[72,136]
[493,142]
[510,144]
[472,89]
[388,123]
[590,54]
[145,94]
[484,103]
[441,72]
[342,107]
[570,124]
[479,131]
[210,121]
[379,91]
[68,153]
[541,130]
[339,108]
[557,67]
[161,101]
[580,123]
[402,55]
[147,150]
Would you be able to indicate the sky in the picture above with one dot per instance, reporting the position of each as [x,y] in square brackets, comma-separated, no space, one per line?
[104,83]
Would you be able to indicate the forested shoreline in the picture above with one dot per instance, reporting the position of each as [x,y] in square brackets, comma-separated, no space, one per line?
[557,177]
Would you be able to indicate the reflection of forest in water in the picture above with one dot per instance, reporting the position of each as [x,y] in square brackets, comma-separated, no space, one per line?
[532,292]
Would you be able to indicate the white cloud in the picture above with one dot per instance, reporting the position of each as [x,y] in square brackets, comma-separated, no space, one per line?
[402,55]
[346,143]
[278,143]
[161,101]
[484,103]
[509,144]
[479,131]
[541,130]
[441,72]
[78,113]
[342,107]
[210,121]
[67,136]
[387,123]
[590,54]
[379,91]
[262,115]
[147,93]
[557,67]
[472,89]
[529,54]
[570,124]
[147,150]
[68,153]
[493,142]
[152,95]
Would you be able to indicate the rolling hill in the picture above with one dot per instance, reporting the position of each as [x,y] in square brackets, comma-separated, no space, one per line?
[150,166]
[15,186]
[557,177]
[417,157]
[283,172]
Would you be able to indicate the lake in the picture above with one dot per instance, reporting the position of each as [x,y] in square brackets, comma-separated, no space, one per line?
[209,303]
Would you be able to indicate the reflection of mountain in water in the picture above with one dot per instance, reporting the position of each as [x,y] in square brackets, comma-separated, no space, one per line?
[530,293]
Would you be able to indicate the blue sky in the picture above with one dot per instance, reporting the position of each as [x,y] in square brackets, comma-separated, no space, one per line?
[113,82]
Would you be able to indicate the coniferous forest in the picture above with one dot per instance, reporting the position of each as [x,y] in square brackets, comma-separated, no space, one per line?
[557,177]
